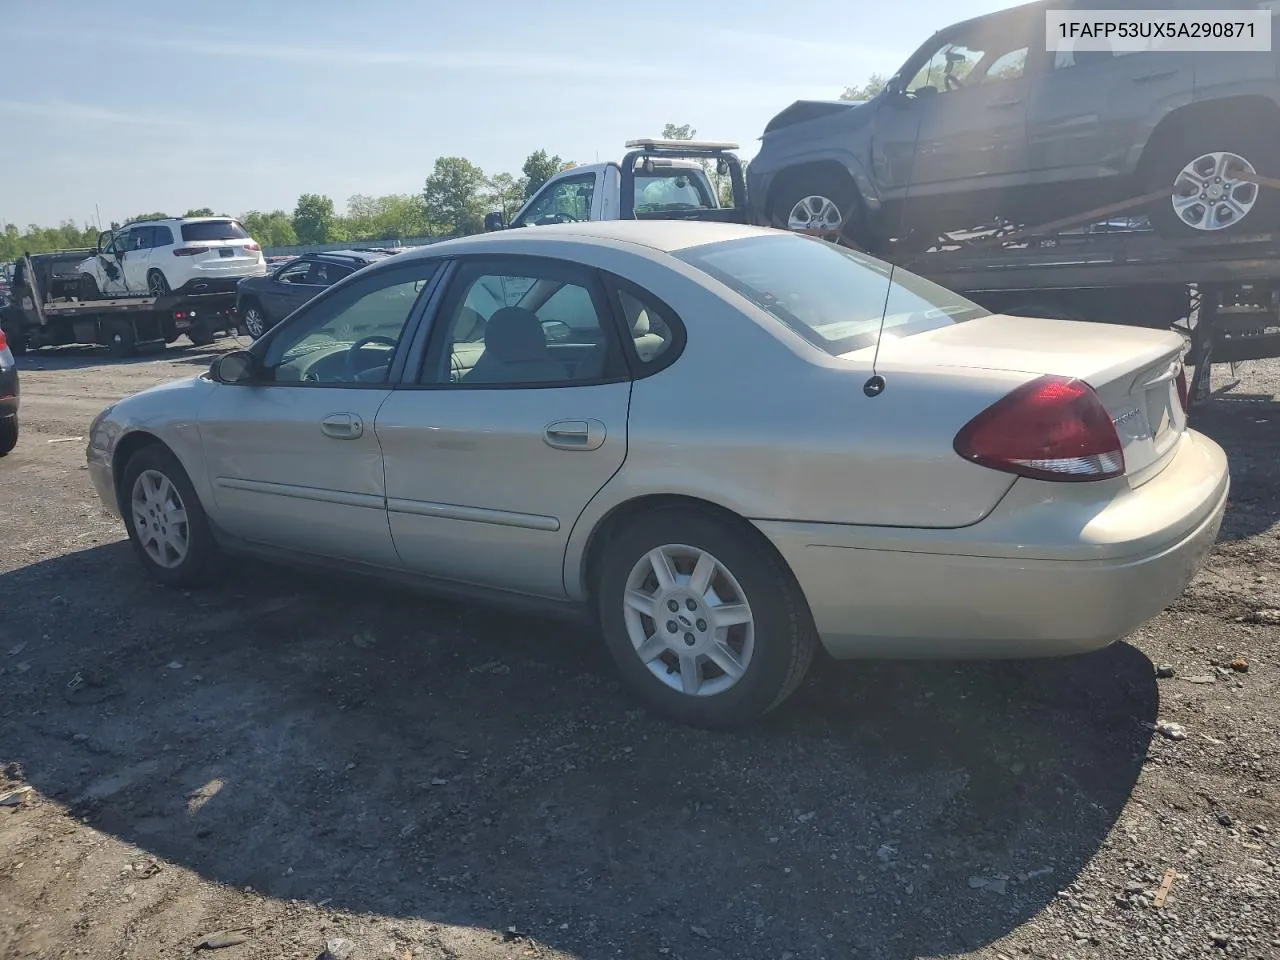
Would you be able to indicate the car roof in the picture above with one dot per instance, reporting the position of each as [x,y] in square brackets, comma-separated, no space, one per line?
[665,236]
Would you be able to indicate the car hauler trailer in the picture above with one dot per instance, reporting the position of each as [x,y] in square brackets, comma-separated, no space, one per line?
[43,313]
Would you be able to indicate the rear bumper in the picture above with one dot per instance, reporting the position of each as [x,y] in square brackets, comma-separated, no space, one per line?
[1062,574]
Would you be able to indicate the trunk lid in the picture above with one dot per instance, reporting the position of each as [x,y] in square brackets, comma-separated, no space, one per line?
[1133,370]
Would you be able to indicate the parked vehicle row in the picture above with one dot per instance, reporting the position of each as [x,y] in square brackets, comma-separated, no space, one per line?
[673,428]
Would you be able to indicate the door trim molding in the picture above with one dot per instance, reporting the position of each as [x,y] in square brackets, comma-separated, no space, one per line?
[453,511]
[296,492]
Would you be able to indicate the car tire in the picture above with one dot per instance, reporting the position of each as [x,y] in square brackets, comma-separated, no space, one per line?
[121,339]
[154,492]
[88,288]
[253,320]
[8,435]
[773,647]
[828,201]
[1194,150]
[157,284]
[200,337]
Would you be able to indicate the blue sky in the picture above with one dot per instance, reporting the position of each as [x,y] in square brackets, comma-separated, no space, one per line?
[142,105]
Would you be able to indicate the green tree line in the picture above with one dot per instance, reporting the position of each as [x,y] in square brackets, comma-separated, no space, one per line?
[453,202]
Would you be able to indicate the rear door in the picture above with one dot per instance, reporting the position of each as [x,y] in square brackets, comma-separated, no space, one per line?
[516,420]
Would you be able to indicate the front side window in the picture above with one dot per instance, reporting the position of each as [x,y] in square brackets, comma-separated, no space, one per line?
[566,201]
[536,326]
[350,337]
[296,273]
[995,52]
[835,298]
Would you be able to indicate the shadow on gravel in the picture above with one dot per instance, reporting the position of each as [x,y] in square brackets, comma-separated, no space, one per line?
[377,751]
[1248,428]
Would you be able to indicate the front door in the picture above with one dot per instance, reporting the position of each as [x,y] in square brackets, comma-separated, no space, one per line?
[516,420]
[293,458]
[137,258]
[290,289]
[959,123]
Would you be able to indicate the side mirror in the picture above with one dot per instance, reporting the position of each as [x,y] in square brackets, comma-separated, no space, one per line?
[494,221]
[238,366]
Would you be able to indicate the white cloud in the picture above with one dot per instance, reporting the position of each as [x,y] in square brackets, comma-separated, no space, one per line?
[69,112]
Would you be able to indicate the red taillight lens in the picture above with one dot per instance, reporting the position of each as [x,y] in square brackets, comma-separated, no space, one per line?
[4,343]
[252,247]
[189,251]
[1053,428]
[1183,396]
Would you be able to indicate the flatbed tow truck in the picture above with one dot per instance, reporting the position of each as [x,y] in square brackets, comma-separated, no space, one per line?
[42,314]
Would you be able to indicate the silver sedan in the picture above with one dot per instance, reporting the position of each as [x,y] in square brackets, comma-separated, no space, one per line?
[727,445]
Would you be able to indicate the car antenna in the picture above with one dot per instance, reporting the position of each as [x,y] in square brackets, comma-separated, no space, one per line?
[875,383]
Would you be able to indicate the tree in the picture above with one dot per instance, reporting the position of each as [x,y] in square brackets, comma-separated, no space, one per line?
[274,229]
[396,216]
[453,196]
[200,212]
[507,194]
[313,218]
[875,83]
[538,169]
[681,132]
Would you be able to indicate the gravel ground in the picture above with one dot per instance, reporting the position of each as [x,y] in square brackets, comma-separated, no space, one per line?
[295,759]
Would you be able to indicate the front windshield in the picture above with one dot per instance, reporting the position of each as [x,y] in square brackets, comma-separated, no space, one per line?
[832,296]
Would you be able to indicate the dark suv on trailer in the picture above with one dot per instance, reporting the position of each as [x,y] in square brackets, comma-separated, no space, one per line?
[983,123]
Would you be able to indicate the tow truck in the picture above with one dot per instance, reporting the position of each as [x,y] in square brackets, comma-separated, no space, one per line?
[46,309]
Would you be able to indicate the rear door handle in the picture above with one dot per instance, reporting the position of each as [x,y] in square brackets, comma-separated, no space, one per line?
[575,434]
[1003,104]
[342,426]
[1150,77]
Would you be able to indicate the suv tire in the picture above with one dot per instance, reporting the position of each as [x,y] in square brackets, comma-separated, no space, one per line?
[1217,151]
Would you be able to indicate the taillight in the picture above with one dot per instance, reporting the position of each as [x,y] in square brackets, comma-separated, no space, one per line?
[189,251]
[4,343]
[1184,397]
[252,247]
[1053,428]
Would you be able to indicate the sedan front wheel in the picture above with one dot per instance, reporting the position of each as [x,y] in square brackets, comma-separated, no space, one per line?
[705,622]
[166,522]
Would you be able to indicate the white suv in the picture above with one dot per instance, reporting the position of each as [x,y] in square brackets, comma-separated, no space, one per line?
[157,257]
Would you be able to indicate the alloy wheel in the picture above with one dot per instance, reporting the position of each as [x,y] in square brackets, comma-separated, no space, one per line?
[1208,194]
[160,519]
[688,620]
[815,213]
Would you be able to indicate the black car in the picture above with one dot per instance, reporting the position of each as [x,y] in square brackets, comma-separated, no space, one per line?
[8,398]
[262,302]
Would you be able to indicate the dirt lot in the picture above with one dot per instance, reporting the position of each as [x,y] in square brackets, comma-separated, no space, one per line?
[303,759]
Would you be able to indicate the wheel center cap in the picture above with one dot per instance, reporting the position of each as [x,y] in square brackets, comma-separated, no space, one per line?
[1215,192]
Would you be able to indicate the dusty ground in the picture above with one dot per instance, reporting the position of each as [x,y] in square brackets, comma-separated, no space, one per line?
[306,759]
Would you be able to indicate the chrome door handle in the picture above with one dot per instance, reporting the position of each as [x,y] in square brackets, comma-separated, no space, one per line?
[575,434]
[342,426]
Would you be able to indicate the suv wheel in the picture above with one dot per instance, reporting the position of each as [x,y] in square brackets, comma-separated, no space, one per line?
[88,288]
[1207,199]
[705,623]
[255,320]
[157,285]
[823,203]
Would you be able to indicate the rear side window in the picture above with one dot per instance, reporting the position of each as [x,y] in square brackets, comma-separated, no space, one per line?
[161,237]
[654,330]
[214,230]
[835,298]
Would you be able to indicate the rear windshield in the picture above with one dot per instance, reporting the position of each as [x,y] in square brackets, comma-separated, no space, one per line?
[661,192]
[833,297]
[214,230]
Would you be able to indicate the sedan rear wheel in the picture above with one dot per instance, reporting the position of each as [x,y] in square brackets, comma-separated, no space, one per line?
[166,522]
[704,620]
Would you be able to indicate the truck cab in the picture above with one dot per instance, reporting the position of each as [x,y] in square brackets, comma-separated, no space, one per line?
[657,179]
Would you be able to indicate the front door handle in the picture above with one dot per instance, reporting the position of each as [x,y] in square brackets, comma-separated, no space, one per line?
[1151,77]
[342,426]
[575,434]
[1003,104]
